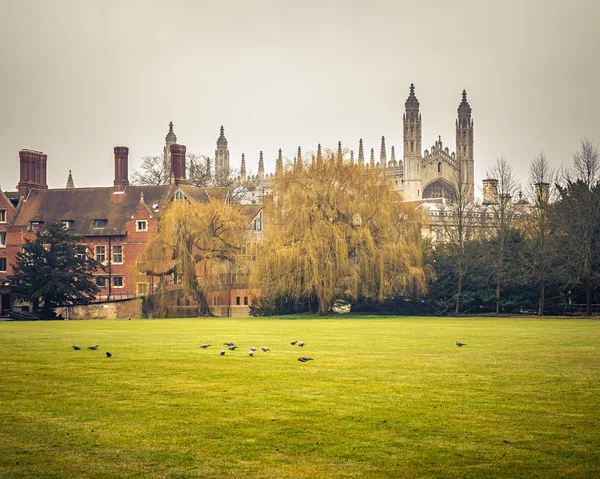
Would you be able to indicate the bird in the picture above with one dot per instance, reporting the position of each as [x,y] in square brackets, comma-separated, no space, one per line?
[232,348]
[459,344]
[108,354]
[204,346]
[93,347]
[304,359]
[228,344]
[265,349]
[251,353]
[252,348]
[293,343]
[222,352]
[76,348]
[300,344]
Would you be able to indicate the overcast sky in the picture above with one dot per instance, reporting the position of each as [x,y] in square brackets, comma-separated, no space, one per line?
[80,77]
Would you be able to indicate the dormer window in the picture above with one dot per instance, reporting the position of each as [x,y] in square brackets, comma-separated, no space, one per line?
[180,195]
[68,224]
[35,224]
[257,222]
[141,225]
[100,223]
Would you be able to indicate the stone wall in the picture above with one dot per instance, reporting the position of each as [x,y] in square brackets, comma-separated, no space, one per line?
[131,308]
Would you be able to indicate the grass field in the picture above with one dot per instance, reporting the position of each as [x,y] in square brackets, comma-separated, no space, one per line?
[390,397]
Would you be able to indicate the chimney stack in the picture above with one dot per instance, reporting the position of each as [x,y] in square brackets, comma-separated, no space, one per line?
[178,164]
[32,171]
[490,191]
[121,168]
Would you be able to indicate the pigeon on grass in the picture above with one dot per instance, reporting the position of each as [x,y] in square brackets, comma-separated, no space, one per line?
[301,344]
[204,346]
[232,348]
[76,348]
[222,352]
[304,359]
[93,347]
[460,345]
[265,349]
[293,343]
[252,348]
[251,353]
[108,354]
[228,344]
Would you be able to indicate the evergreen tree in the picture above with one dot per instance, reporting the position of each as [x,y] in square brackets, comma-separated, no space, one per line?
[52,271]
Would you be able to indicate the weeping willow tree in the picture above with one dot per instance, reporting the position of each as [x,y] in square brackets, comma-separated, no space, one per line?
[194,251]
[338,231]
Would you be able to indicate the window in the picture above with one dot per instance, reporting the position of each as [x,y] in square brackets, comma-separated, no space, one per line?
[68,224]
[439,235]
[36,223]
[141,225]
[101,281]
[249,251]
[237,300]
[440,167]
[2,216]
[100,223]
[101,254]
[81,251]
[2,239]
[117,252]
[3,265]
[180,195]
[142,289]
[118,281]
[257,223]
[245,300]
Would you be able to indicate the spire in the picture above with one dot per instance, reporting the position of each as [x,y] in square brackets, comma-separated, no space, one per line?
[464,109]
[170,139]
[383,154]
[339,151]
[319,157]
[393,158]
[372,157]
[70,183]
[222,156]
[243,168]
[412,104]
[279,163]
[361,153]
[261,166]
[352,157]
[299,161]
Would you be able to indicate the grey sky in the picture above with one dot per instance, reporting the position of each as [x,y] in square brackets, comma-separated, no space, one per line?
[80,77]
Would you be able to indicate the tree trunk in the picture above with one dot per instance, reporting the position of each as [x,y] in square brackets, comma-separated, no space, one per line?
[498,299]
[541,301]
[458,293]
[588,298]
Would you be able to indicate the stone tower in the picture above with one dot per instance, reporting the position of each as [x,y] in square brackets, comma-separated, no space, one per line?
[464,148]
[412,147]
[170,139]
[222,156]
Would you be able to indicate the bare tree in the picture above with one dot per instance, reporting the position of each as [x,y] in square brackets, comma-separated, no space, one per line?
[579,219]
[153,171]
[540,260]
[459,220]
[501,218]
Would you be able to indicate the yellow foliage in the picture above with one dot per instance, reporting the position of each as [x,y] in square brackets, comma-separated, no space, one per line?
[196,247]
[336,230]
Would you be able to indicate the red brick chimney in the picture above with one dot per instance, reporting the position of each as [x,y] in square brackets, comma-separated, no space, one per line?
[121,168]
[178,164]
[32,171]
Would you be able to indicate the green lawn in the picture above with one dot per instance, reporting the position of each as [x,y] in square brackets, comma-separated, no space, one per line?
[391,397]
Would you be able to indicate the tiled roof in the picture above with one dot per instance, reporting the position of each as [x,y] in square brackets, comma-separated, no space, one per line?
[84,205]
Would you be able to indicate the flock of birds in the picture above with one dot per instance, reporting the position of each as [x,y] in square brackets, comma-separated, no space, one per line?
[233,347]
[93,347]
[264,349]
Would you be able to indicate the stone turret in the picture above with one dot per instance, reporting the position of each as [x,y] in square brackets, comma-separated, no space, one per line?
[70,182]
[372,160]
[464,148]
[243,169]
[412,147]
[383,154]
[170,139]
[261,167]
[361,153]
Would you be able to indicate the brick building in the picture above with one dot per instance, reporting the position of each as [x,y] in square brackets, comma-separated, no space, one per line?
[115,224]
